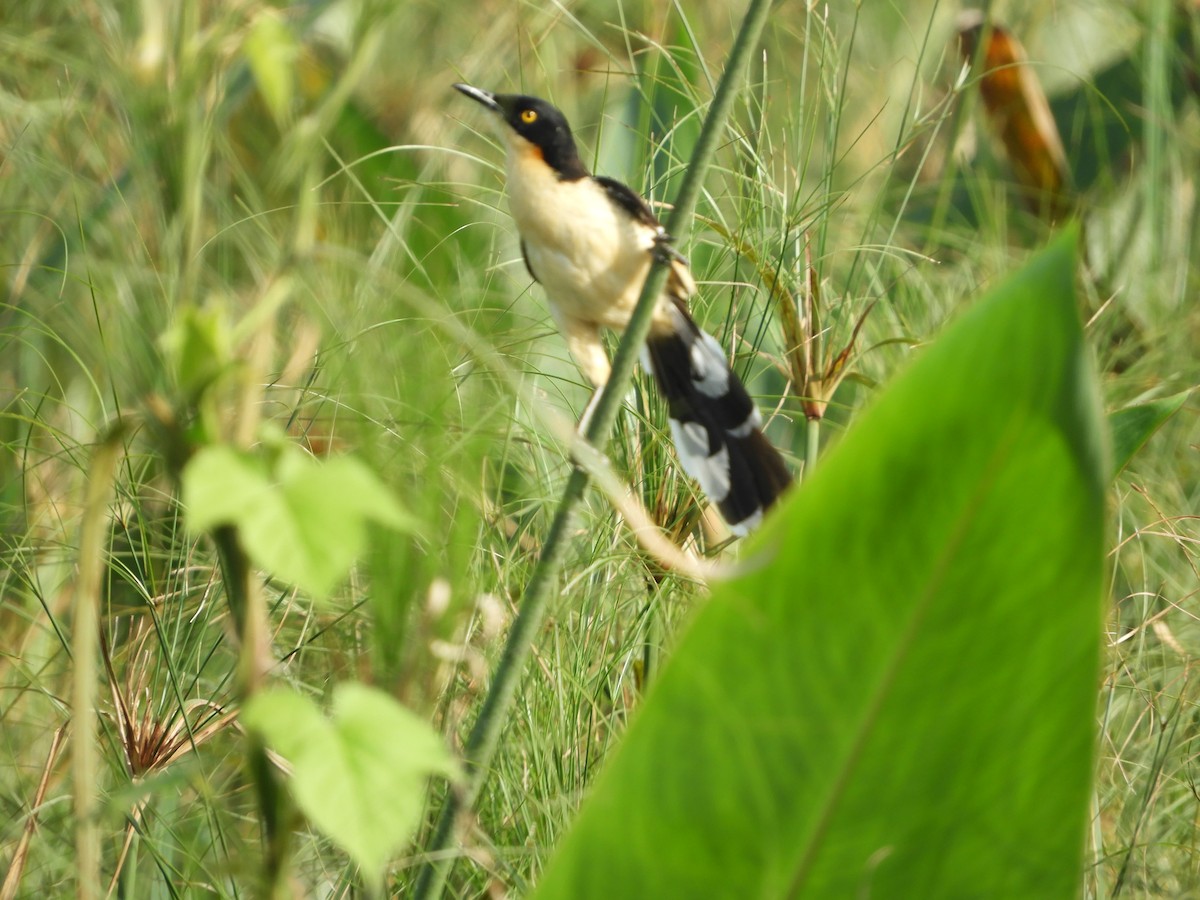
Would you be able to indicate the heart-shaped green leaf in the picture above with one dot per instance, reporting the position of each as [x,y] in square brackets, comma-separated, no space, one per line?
[303,519]
[360,775]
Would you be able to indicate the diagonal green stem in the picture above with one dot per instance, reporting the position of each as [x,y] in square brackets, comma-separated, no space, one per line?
[485,735]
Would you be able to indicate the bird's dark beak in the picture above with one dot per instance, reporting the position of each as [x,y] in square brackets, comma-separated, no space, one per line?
[487,98]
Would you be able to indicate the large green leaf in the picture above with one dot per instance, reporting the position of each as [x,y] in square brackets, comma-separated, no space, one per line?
[360,775]
[898,700]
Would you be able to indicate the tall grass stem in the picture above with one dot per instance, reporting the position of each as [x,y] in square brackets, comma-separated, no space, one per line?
[85,639]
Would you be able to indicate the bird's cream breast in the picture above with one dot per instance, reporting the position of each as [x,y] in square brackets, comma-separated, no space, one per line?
[590,257]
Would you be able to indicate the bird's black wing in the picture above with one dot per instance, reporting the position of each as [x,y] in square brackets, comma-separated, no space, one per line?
[626,198]
[629,200]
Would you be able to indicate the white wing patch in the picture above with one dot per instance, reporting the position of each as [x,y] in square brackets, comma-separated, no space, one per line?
[748,524]
[691,443]
[692,437]
[710,371]
[753,423]
[644,357]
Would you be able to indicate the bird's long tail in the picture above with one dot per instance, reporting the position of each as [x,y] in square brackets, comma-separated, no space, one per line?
[716,426]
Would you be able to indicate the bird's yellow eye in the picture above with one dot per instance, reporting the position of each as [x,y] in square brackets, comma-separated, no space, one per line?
[528,116]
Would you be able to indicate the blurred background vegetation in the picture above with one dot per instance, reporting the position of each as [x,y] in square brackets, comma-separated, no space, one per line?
[225,217]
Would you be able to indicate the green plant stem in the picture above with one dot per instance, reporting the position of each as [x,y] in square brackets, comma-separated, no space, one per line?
[812,445]
[485,735]
[84,643]
[274,804]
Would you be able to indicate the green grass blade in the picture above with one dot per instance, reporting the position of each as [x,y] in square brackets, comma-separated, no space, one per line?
[900,703]
[1132,426]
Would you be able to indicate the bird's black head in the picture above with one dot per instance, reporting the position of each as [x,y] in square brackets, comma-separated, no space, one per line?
[539,124]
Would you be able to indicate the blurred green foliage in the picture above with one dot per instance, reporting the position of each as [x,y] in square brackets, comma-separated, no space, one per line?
[224,220]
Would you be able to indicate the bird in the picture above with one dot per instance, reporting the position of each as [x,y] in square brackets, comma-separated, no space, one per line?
[589,241]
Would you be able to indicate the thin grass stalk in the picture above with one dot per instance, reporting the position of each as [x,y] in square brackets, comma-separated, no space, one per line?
[85,642]
[16,867]
[1157,80]
[485,735]
[958,116]
[812,444]
[249,615]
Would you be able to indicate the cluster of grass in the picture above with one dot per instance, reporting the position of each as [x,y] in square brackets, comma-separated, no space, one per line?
[302,190]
